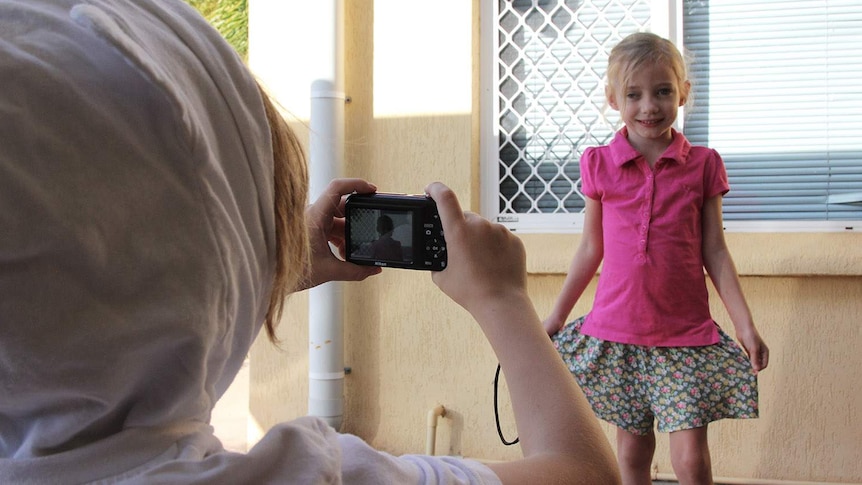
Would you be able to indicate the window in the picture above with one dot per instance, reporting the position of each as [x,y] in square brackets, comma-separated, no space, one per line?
[787,127]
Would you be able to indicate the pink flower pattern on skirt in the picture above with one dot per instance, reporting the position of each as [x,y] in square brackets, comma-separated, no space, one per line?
[633,387]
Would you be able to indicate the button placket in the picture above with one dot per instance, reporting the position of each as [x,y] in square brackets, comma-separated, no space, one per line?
[646,214]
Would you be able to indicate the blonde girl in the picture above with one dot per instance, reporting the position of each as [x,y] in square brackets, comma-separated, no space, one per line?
[649,354]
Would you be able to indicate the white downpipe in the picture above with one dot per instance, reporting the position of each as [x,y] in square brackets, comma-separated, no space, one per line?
[437,411]
[326,154]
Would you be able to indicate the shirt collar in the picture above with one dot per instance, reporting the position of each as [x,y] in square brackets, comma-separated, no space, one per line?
[623,152]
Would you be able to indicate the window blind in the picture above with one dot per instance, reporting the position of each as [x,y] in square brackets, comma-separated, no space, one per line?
[777,93]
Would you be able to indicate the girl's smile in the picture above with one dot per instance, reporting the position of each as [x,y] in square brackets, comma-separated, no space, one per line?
[649,105]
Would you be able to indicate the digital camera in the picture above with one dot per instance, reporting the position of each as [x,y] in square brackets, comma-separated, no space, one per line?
[394,231]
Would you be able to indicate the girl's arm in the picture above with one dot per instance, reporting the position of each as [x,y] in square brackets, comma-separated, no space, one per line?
[560,437]
[582,269]
[722,271]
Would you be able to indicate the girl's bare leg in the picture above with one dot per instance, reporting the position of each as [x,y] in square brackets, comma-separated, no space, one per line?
[634,454]
[689,454]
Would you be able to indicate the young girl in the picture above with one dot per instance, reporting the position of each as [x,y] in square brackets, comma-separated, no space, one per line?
[649,349]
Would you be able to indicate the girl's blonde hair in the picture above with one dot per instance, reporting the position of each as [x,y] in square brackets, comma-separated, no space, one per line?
[292,253]
[639,49]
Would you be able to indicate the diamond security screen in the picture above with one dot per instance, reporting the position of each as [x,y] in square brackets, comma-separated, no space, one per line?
[550,68]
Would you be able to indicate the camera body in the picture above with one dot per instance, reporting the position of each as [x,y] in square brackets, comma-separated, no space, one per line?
[394,231]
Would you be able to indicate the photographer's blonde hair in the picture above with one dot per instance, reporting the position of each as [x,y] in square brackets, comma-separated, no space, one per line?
[291,195]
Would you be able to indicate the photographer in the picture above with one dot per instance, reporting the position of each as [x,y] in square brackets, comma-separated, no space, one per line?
[385,247]
[154,219]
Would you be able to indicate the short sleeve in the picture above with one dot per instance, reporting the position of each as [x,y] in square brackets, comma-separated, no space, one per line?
[714,175]
[588,165]
[305,450]
[363,465]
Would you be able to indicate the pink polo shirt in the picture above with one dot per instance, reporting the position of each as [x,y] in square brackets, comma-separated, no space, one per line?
[652,288]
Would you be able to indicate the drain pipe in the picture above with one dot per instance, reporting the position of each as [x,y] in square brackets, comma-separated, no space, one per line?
[437,411]
[326,154]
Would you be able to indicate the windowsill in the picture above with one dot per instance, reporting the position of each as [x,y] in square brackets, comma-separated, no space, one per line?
[755,254]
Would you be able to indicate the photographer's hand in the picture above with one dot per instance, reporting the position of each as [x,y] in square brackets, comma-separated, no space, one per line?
[486,274]
[486,262]
[325,219]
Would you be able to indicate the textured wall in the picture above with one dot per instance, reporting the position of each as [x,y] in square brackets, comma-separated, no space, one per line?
[410,348]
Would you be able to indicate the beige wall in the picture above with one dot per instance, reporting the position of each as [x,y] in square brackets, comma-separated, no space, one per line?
[410,348]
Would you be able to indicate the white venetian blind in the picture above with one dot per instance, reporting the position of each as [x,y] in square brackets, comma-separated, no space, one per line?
[778,92]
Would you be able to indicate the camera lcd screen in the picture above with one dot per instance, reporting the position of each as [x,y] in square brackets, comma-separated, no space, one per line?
[382,235]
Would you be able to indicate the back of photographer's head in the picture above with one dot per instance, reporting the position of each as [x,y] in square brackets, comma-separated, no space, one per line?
[384,224]
[136,186]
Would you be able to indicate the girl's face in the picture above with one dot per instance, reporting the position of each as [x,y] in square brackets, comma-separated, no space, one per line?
[649,104]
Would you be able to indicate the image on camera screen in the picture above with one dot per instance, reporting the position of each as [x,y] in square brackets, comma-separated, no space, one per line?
[384,235]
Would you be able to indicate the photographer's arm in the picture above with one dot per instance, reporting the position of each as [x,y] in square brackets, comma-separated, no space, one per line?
[559,435]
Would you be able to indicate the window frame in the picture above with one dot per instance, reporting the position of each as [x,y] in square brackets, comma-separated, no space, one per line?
[665,20]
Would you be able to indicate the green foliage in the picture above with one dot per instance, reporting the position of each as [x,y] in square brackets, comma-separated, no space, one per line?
[229,17]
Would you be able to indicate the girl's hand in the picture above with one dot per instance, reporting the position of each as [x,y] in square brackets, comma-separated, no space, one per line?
[755,347]
[325,220]
[553,325]
[486,262]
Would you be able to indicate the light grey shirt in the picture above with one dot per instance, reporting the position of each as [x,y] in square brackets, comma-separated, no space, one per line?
[137,253]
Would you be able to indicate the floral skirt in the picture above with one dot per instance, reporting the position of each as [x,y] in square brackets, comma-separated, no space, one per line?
[632,386]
